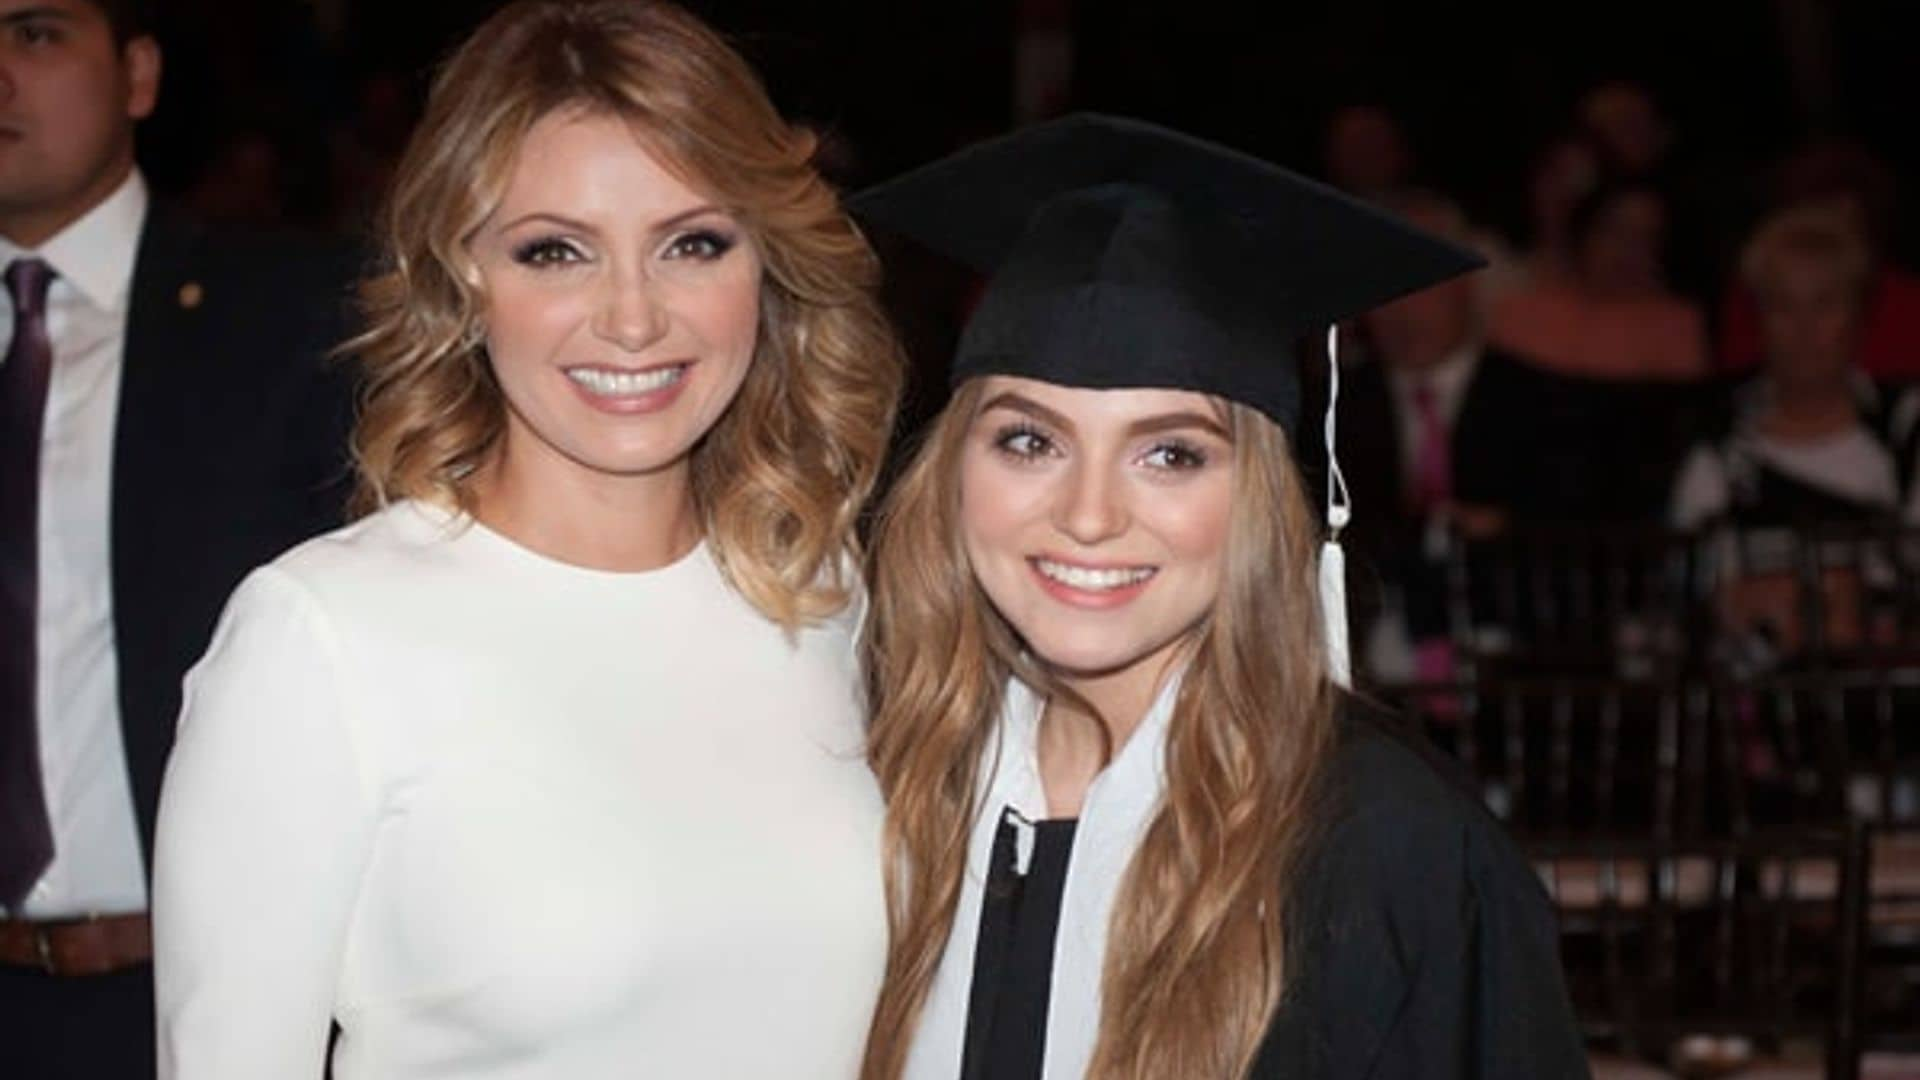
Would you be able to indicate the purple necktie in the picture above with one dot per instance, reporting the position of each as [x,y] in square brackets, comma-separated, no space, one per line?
[1433,453]
[26,833]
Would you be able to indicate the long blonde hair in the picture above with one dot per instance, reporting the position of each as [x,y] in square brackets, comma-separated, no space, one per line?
[782,477]
[1197,952]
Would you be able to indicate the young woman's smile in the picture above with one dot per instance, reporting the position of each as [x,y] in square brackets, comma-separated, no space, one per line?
[1096,520]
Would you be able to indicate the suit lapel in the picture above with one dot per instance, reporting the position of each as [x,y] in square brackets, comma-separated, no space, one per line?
[163,325]
[164,332]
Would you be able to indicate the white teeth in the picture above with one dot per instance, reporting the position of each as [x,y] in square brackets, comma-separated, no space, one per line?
[1083,577]
[606,383]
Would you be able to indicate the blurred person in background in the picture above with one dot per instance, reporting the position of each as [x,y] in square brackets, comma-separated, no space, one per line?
[1564,172]
[1367,154]
[169,420]
[1635,140]
[1809,439]
[1366,151]
[1462,446]
[1809,434]
[1845,176]
[1612,317]
[1623,122]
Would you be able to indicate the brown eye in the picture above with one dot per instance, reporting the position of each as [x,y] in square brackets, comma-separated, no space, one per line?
[705,245]
[1176,456]
[546,251]
[1022,442]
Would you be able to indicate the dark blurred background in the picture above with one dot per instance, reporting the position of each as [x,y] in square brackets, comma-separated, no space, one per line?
[286,107]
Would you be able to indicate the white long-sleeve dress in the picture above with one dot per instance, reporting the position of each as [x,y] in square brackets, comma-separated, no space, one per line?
[504,817]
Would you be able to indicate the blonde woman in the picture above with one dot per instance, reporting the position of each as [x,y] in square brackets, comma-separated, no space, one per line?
[1134,828]
[549,765]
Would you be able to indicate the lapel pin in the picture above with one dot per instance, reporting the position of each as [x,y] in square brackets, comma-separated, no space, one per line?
[191,294]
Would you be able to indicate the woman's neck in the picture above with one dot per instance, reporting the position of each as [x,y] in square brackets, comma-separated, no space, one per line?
[600,521]
[1807,412]
[1075,747]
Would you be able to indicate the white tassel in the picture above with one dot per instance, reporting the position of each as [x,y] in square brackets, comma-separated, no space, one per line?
[1333,560]
[1333,611]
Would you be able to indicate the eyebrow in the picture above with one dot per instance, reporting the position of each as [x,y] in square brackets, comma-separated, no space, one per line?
[29,14]
[1178,420]
[1151,425]
[1020,404]
[664,225]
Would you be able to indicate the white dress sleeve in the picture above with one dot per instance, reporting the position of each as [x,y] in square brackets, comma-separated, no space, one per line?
[265,824]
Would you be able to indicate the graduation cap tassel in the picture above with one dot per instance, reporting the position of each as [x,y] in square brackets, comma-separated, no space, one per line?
[1333,560]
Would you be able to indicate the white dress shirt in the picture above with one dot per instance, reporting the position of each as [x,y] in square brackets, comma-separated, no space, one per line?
[510,819]
[1849,464]
[1856,463]
[97,868]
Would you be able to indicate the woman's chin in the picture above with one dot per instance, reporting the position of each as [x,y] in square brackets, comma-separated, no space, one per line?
[1081,661]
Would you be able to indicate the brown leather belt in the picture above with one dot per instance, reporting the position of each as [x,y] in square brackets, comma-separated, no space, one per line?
[93,946]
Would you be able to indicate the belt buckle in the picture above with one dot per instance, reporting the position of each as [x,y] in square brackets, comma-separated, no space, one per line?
[43,946]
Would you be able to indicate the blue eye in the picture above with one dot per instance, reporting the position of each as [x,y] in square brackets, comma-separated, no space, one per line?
[1023,442]
[546,251]
[704,245]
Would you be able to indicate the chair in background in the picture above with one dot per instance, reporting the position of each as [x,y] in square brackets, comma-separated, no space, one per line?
[1616,601]
[1556,756]
[1803,597]
[1741,965]
[1845,745]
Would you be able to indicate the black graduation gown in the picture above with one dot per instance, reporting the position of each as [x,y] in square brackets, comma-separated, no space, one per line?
[1424,945]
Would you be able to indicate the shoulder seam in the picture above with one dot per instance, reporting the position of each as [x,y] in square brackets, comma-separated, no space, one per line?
[314,613]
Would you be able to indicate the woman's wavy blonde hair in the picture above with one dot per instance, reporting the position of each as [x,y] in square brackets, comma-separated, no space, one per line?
[1196,958]
[782,477]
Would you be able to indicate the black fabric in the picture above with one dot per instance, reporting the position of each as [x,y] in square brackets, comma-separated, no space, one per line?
[98,1027]
[1122,254]
[1013,958]
[1764,495]
[230,445]
[1423,945]
[1506,443]
[1775,497]
[1513,448]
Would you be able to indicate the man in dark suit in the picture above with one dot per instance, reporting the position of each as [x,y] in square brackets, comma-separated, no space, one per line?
[168,419]
[1450,440]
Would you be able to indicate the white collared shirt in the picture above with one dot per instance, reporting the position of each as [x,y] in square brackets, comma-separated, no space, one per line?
[1119,805]
[97,867]
[1448,379]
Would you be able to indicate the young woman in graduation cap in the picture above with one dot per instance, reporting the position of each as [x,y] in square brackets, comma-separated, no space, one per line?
[1136,828]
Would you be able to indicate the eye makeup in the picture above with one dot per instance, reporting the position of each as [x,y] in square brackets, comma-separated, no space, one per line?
[546,250]
[1021,440]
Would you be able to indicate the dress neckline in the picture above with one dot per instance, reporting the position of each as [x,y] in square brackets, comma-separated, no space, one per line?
[458,524]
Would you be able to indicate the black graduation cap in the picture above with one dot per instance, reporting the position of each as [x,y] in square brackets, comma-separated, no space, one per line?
[1122,254]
